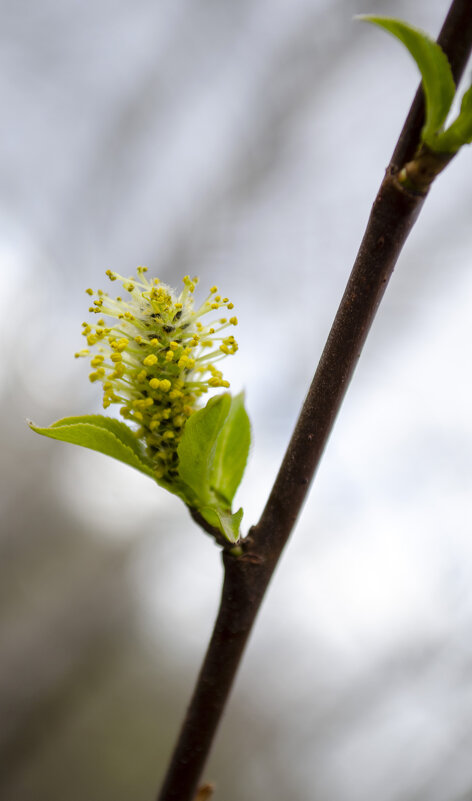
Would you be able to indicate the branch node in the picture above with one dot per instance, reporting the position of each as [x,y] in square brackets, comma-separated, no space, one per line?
[418,174]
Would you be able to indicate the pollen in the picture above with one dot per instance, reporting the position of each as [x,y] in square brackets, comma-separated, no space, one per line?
[150,360]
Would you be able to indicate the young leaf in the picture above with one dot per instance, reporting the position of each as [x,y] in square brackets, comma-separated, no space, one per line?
[438,83]
[460,131]
[231,451]
[212,457]
[197,447]
[103,434]
[229,524]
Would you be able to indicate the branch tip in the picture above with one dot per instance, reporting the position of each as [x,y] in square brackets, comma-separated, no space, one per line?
[205,792]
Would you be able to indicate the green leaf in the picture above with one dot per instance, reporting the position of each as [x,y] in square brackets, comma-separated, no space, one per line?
[229,524]
[231,451]
[103,434]
[196,450]
[460,131]
[438,83]
[212,456]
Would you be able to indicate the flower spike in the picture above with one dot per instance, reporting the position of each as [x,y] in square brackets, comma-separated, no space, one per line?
[155,358]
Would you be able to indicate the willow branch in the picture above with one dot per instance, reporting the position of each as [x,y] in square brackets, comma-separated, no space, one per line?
[393,215]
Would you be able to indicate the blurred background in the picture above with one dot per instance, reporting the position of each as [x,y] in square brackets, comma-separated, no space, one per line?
[242,142]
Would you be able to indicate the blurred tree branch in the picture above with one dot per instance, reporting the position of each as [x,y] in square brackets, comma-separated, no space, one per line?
[246,577]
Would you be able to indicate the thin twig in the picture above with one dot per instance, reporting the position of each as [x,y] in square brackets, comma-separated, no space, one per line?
[246,577]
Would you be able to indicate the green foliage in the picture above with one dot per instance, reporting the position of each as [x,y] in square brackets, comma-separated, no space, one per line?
[212,454]
[460,132]
[231,450]
[198,444]
[224,521]
[438,85]
[438,82]
[103,434]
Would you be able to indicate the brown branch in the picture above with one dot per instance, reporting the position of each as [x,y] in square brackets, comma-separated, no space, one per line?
[393,215]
